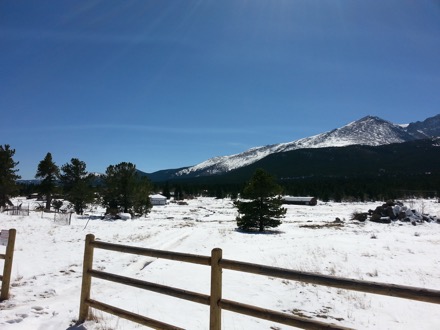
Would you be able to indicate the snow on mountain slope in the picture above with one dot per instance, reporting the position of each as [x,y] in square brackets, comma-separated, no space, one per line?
[366,131]
[369,130]
[428,128]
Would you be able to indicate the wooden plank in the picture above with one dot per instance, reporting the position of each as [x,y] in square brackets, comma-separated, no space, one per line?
[86,279]
[392,290]
[215,318]
[7,268]
[270,315]
[131,316]
[177,256]
[163,289]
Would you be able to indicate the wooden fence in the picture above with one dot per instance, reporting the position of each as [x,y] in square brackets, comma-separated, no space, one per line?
[7,237]
[215,300]
[17,210]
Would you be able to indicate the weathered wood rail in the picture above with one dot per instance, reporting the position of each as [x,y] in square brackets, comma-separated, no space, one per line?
[215,300]
[7,237]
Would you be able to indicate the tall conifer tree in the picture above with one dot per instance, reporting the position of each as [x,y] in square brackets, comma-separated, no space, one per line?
[77,184]
[125,190]
[49,172]
[264,209]
[8,176]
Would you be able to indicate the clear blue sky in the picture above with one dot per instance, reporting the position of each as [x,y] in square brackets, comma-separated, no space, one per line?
[167,84]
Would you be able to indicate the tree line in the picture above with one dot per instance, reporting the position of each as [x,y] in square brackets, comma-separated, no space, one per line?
[124,189]
[359,188]
[120,189]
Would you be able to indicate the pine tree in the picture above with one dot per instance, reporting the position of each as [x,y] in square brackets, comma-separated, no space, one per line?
[141,202]
[125,190]
[49,172]
[166,190]
[8,176]
[178,193]
[264,210]
[76,184]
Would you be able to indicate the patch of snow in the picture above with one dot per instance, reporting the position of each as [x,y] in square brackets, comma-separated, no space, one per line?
[124,216]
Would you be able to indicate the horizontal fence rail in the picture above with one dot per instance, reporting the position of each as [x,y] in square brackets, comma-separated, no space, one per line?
[170,291]
[270,315]
[131,316]
[177,256]
[215,300]
[392,290]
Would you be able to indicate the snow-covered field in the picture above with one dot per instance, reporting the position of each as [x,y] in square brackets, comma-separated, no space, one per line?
[46,276]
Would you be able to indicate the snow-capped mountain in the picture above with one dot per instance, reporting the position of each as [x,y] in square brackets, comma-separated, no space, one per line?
[428,128]
[369,130]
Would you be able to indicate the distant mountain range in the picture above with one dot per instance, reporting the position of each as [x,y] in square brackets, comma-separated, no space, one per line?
[369,132]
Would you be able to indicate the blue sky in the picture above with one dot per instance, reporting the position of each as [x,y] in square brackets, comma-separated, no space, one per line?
[167,84]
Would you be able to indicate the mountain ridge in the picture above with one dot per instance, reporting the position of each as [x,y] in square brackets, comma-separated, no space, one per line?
[369,130]
[351,169]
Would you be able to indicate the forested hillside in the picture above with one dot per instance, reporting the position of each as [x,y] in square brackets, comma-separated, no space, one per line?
[352,172]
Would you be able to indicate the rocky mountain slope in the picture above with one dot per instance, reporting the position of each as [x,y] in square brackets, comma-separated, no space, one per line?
[430,127]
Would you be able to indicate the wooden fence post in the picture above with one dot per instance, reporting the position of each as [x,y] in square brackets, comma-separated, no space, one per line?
[215,316]
[87,279]
[7,268]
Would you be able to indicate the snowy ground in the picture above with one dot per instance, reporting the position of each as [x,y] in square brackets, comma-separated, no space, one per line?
[46,277]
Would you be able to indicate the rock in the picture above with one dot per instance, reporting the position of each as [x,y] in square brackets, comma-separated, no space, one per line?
[377,218]
[390,203]
[397,209]
[359,216]
[392,211]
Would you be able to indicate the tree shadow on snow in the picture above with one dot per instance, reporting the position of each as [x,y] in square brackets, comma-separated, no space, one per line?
[77,327]
[256,232]
[91,217]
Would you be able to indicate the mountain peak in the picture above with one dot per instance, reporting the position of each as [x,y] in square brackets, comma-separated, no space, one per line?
[370,117]
[374,122]
[369,130]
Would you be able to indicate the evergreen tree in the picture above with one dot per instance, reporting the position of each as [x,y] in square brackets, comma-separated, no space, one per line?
[77,184]
[166,190]
[49,172]
[142,191]
[178,193]
[125,190]
[8,176]
[219,193]
[57,204]
[264,209]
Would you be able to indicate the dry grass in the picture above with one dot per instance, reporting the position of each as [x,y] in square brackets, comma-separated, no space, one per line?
[335,225]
